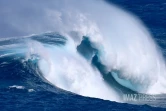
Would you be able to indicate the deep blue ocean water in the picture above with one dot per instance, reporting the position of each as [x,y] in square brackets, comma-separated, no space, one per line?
[22,88]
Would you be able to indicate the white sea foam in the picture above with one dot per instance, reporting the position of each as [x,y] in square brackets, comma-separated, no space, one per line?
[123,41]
[68,70]
[31,90]
[17,87]
[124,44]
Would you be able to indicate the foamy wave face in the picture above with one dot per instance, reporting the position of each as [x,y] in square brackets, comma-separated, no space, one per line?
[124,45]
[129,48]
[71,72]
[123,42]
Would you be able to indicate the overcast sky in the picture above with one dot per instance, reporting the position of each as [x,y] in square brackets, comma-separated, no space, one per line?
[23,17]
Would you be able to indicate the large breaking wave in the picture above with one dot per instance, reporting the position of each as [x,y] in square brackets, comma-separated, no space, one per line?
[93,53]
